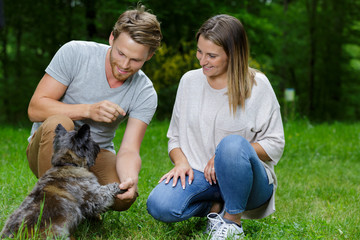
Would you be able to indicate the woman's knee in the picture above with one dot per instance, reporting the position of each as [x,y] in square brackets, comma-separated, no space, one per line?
[232,147]
[154,206]
[161,208]
[233,143]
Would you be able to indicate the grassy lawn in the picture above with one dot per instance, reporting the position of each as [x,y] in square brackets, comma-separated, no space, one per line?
[317,198]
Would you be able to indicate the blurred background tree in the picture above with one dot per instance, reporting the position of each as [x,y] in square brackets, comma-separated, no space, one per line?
[312,46]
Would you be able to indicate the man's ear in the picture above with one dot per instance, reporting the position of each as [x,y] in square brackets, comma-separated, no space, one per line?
[111,38]
[150,56]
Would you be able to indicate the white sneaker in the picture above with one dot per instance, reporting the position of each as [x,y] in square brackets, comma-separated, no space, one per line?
[228,230]
[215,219]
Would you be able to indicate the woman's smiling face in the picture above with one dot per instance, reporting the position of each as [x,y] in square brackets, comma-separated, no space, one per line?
[212,58]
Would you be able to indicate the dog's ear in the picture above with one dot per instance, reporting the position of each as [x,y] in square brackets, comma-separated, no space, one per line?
[91,155]
[83,132]
[60,130]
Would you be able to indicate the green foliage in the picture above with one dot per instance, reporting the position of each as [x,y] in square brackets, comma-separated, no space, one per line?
[307,45]
[165,69]
[180,20]
[317,195]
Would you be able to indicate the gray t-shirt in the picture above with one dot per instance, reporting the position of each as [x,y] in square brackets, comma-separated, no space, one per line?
[80,66]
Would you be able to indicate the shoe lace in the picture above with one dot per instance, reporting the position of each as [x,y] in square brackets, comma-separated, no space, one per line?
[222,231]
[214,223]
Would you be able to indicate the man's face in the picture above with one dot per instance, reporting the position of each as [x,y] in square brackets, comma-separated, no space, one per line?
[127,56]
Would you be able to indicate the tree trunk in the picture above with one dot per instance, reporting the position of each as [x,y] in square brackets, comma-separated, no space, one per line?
[311,8]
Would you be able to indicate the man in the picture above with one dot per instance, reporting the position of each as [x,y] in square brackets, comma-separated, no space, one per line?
[100,85]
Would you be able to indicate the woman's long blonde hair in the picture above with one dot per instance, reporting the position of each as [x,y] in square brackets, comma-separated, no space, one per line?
[228,32]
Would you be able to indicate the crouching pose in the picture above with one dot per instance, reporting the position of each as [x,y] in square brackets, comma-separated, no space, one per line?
[225,137]
[102,86]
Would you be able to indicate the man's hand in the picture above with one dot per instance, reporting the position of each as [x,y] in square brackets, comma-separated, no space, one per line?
[105,111]
[131,191]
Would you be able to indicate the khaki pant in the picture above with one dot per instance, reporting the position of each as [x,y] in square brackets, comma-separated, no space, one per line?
[40,150]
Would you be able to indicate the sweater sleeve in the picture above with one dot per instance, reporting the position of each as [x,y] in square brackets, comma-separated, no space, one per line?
[173,131]
[272,138]
[268,119]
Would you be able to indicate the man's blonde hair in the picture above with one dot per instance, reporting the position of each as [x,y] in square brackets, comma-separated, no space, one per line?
[142,26]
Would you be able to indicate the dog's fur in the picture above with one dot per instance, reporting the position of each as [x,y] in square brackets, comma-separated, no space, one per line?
[68,192]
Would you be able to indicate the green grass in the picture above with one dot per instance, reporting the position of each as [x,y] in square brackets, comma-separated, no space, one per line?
[317,198]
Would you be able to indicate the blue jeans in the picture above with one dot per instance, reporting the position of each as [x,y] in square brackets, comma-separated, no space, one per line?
[242,184]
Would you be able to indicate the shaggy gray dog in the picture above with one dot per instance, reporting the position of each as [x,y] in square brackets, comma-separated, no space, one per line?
[68,192]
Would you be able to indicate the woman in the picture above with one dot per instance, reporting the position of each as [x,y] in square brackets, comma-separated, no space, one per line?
[225,136]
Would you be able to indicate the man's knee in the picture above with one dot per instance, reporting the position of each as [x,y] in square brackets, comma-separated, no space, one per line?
[51,123]
[40,148]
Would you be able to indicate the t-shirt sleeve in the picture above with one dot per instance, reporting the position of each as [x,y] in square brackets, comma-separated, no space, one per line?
[63,65]
[145,104]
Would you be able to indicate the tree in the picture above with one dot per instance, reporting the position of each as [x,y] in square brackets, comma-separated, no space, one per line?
[310,45]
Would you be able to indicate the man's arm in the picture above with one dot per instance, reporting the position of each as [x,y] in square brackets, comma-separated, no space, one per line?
[45,102]
[128,162]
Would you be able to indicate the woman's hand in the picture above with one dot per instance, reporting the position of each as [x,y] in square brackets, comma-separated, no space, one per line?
[180,170]
[209,171]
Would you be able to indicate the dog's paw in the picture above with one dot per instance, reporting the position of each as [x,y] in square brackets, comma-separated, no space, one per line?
[120,191]
[115,189]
